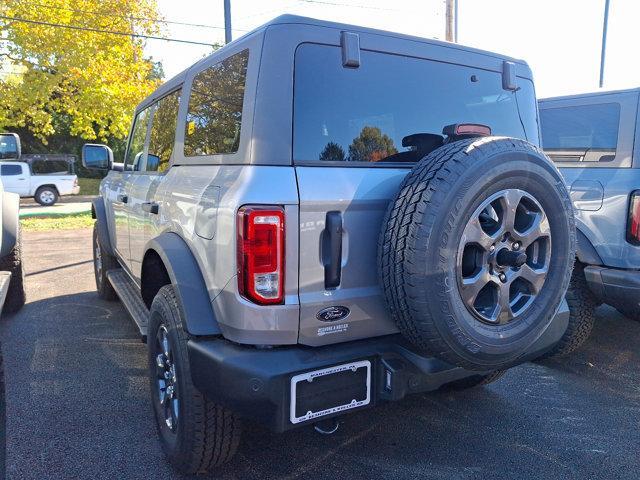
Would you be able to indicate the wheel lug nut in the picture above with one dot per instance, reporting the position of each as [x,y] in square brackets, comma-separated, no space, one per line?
[502,277]
[516,245]
[492,248]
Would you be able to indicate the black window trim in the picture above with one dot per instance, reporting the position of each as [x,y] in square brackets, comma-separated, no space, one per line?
[154,105]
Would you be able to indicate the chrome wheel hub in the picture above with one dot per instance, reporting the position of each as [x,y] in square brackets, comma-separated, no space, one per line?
[503,256]
[47,197]
[166,380]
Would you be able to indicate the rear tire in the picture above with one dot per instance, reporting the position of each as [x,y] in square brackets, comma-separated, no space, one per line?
[582,305]
[514,188]
[196,434]
[16,296]
[46,196]
[102,263]
[475,381]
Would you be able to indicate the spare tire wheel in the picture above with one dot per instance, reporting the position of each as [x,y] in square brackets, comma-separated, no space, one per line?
[476,251]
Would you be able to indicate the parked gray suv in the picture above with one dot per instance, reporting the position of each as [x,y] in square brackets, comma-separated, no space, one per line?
[320,217]
[592,139]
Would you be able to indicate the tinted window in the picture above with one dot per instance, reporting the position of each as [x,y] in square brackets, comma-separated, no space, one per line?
[581,127]
[8,146]
[363,114]
[135,151]
[215,108]
[163,133]
[7,170]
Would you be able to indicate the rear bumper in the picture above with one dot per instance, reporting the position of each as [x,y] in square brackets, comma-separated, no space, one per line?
[614,286]
[75,190]
[256,383]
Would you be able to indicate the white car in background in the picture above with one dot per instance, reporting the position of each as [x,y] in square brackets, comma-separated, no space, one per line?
[45,189]
[18,177]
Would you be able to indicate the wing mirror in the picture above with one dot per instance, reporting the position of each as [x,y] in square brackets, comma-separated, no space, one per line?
[97,157]
[9,146]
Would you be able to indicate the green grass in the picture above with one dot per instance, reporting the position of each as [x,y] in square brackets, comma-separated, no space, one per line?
[89,186]
[61,222]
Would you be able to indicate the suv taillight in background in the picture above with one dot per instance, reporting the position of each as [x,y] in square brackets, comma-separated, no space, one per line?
[633,225]
[261,254]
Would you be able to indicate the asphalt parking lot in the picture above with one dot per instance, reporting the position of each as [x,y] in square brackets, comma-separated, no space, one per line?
[77,403]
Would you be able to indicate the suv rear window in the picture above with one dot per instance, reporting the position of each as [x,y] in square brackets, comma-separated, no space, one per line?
[215,108]
[581,129]
[363,114]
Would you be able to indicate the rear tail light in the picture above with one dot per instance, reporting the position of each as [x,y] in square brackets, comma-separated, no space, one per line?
[633,224]
[261,254]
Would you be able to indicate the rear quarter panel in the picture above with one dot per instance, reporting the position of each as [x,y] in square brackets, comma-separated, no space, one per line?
[200,204]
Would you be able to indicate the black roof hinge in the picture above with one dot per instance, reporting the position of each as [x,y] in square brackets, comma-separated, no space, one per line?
[509,81]
[350,43]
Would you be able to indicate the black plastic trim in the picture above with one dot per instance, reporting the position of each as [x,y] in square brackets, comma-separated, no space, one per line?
[186,277]
[586,252]
[99,212]
[613,286]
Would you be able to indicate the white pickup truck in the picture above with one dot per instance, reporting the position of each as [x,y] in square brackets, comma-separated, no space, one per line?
[17,177]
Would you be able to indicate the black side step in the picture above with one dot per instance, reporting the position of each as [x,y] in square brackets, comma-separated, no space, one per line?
[129,294]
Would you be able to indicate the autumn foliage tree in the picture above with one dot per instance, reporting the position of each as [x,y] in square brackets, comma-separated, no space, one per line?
[84,81]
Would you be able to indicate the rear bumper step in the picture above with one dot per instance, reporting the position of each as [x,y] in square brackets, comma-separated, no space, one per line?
[129,294]
[614,286]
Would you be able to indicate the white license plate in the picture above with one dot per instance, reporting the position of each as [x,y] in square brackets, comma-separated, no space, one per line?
[346,403]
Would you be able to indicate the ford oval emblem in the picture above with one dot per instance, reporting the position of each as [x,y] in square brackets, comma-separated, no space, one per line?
[333,314]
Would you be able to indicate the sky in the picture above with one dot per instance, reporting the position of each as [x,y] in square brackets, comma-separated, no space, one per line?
[560,39]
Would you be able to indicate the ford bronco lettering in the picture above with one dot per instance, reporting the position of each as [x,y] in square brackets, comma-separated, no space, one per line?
[320,217]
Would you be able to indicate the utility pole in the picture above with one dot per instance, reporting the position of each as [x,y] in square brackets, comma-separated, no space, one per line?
[227,21]
[451,19]
[604,40]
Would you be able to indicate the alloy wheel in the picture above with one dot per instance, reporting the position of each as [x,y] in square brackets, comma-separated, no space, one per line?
[166,380]
[503,256]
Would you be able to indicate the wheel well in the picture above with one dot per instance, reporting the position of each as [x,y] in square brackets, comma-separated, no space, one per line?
[154,276]
[48,185]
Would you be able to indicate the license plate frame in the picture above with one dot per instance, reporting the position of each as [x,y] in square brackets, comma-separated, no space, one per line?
[304,377]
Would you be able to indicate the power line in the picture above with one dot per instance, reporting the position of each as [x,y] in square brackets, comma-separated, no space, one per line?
[115,15]
[97,30]
[336,4]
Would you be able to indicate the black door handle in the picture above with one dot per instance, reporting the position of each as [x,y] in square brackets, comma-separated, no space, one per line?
[332,250]
[150,207]
[123,198]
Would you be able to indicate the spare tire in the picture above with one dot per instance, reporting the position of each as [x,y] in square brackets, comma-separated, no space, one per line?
[476,251]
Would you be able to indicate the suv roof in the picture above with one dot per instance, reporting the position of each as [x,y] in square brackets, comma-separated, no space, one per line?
[299,20]
[591,94]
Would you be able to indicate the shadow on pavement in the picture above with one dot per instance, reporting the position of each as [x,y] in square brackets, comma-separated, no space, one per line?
[78,407]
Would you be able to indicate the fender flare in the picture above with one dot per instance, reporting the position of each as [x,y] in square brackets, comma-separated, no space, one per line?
[586,252]
[100,214]
[10,211]
[186,277]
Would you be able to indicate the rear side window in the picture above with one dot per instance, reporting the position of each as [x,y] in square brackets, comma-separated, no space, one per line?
[363,114]
[163,133]
[215,108]
[10,170]
[135,150]
[583,132]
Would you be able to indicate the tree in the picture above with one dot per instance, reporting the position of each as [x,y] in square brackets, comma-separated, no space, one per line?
[332,152]
[85,81]
[371,146]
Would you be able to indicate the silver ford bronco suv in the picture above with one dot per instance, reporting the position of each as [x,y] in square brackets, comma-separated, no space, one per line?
[592,139]
[320,217]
